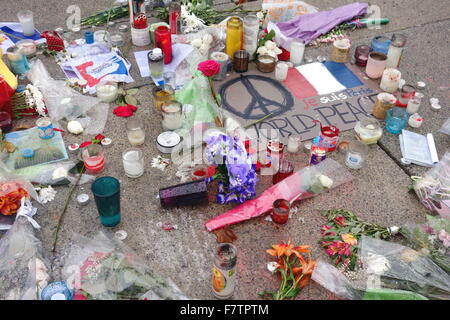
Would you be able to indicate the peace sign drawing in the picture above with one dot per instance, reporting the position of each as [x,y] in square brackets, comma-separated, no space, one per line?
[252,97]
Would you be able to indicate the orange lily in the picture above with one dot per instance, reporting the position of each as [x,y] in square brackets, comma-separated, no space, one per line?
[349,239]
[282,249]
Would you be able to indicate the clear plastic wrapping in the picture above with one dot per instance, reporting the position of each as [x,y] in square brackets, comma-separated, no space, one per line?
[104,268]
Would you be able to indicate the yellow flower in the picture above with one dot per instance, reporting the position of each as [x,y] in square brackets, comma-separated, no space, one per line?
[349,239]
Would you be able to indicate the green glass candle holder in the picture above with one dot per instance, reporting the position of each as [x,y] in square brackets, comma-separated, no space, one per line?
[106,192]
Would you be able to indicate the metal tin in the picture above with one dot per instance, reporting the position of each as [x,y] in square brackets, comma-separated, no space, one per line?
[106,142]
[168,140]
[83,199]
[121,235]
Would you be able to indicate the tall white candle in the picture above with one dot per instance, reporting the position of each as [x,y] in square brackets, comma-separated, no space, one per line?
[133,163]
[281,71]
[394,55]
[297,52]
[27,22]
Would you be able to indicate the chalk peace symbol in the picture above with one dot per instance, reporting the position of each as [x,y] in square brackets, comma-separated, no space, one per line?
[260,105]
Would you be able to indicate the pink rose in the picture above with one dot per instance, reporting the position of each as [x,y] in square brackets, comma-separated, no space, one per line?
[209,67]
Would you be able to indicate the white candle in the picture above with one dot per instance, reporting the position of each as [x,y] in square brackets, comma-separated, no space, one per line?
[293,145]
[394,55]
[390,80]
[281,71]
[107,92]
[413,105]
[173,118]
[27,22]
[415,120]
[133,163]
[297,52]
[136,137]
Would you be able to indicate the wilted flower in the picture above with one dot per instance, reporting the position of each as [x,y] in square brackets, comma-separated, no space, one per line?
[445,238]
[349,239]
[340,221]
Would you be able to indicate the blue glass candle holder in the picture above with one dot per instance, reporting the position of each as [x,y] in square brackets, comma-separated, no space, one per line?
[106,192]
[380,44]
[396,120]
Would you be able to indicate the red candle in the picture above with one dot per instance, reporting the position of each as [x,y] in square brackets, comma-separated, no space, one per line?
[174,17]
[163,41]
[285,170]
[280,211]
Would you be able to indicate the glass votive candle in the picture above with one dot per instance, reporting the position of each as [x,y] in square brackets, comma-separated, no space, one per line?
[172,115]
[45,128]
[5,122]
[361,55]
[297,52]
[281,71]
[280,211]
[133,162]
[266,63]
[240,61]
[376,63]
[106,192]
[285,169]
[396,120]
[135,131]
[293,145]
[170,79]
[380,44]
[369,130]
[406,93]
[93,158]
[340,50]
[107,90]
[413,105]
[27,47]
[356,154]
[161,95]
[390,80]
[222,58]
[27,22]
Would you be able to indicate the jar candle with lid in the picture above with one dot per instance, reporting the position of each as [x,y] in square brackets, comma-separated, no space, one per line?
[369,130]
[233,41]
[390,80]
[266,63]
[172,115]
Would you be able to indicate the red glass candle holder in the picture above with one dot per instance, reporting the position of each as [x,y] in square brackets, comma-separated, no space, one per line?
[163,40]
[285,170]
[280,211]
[362,55]
[5,122]
[94,159]
[330,136]
[175,18]
[140,21]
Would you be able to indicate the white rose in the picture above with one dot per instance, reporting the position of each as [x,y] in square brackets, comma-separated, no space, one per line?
[207,38]
[277,51]
[197,43]
[270,45]
[262,51]
[260,15]
[325,181]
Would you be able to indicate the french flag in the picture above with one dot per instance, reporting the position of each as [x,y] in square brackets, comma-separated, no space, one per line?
[318,78]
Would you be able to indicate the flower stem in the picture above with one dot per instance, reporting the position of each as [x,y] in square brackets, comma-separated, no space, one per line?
[217,118]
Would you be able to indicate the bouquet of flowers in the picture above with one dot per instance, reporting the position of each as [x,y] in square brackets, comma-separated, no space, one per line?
[341,234]
[433,189]
[431,239]
[304,184]
[106,269]
[294,268]
[236,175]
[29,102]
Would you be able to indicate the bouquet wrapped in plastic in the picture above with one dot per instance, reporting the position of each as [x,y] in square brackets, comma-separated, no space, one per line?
[433,189]
[104,268]
[335,281]
[24,270]
[304,184]
[432,239]
[400,267]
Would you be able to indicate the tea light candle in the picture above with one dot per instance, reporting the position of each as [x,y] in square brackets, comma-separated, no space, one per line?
[133,163]
[73,147]
[106,142]
[136,137]
[390,80]
[107,92]
[293,145]
[281,71]
[415,120]
[83,199]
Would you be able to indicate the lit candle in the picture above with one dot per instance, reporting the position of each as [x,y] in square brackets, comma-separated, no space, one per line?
[107,91]
[133,163]
[390,80]
[415,120]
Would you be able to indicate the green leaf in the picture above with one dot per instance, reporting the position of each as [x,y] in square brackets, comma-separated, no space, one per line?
[79,167]
[356,230]
[132,92]
[131,100]
[121,92]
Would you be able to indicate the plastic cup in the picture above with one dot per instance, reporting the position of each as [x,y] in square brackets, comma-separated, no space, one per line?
[106,192]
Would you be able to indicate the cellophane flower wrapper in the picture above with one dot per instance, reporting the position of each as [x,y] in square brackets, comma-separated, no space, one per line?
[427,238]
[103,268]
[24,271]
[400,267]
[433,189]
[335,281]
[301,185]
[10,182]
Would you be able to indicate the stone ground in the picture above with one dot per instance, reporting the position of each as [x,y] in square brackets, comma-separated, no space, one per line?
[378,193]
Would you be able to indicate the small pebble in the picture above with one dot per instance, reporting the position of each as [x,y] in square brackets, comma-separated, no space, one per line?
[121,235]
[421,84]
[436,106]
[434,100]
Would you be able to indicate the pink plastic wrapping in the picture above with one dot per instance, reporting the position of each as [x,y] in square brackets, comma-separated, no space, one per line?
[301,185]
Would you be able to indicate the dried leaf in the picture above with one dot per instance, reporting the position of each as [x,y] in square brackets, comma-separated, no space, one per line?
[132,92]
[225,234]
[131,100]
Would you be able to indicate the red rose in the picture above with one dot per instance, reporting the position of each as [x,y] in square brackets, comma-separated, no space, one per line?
[284,55]
[125,111]
[209,67]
